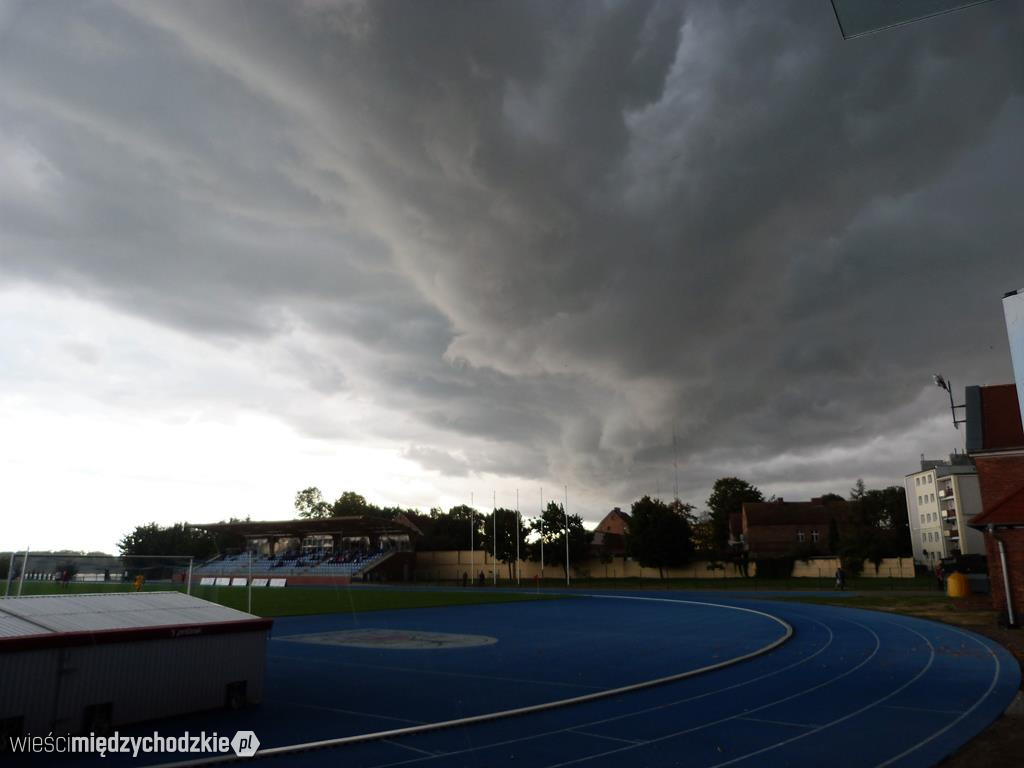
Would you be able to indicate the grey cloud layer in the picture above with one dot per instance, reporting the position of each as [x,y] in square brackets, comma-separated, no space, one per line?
[554,232]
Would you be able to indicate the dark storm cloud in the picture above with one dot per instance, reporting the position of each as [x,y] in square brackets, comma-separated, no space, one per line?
[555,233]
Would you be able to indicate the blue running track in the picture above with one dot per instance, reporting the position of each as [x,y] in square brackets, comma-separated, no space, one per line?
[849,688]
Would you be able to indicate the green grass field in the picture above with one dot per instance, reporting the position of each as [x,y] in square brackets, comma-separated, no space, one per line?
[300,601]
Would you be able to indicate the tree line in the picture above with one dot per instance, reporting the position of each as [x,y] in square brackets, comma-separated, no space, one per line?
[662,534]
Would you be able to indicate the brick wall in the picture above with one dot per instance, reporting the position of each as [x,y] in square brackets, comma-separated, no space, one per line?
[998,477]
[780,540]
[1014,541]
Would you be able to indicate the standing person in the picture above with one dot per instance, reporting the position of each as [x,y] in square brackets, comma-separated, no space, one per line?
[465,579]
[840,578]
[480,579]
[939,577]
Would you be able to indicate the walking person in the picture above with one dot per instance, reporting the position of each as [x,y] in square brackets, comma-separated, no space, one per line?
[840,578]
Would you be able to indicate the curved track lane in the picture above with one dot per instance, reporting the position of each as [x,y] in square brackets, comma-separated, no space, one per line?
[851,688]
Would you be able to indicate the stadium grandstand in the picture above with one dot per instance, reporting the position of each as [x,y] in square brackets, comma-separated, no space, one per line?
[333,550]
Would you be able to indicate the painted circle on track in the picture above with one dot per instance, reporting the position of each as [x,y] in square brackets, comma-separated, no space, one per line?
[393,639]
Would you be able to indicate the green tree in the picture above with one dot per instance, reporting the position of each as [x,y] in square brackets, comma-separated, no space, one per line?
[458,524]
[659,534]
[309,502]
[348,504]
[550,526]
[833,536]
[858,490]
[727,498]
[508,529]
[177,539]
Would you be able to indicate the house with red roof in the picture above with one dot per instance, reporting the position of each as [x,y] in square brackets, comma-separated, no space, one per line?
[995,441]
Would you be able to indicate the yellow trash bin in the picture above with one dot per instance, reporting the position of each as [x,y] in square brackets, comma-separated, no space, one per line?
[956,585]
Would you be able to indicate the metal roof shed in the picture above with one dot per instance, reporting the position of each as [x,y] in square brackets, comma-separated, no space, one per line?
[73,663]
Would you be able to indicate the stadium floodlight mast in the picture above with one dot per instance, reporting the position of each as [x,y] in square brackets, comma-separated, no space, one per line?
[943,383]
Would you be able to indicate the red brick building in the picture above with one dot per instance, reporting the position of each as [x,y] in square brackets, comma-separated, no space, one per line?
[995,440]
[610,534]
[776,528]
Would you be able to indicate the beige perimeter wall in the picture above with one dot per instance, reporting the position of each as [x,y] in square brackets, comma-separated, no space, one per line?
[451,564]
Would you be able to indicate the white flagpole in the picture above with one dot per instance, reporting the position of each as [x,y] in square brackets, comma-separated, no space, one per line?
[494,548]
[519,529]
[24,567]
[565,512]
[542,533]
[472,525]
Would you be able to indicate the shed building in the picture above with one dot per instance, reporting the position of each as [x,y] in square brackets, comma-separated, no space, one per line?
[85,663]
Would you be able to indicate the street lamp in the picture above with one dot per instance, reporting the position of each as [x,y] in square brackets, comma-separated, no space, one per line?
[942,383]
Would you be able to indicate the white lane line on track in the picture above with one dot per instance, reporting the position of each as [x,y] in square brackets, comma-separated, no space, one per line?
[531,709]
[844,718]
[645,710]
[779,722]
[604,736]
[410,748]
[995,679]
[666,737]
[930,710]
[346,711]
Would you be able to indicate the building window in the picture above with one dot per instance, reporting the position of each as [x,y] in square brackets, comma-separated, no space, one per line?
[800,536]
[919,502]
[922,518]
[924,536]
[814,536]
[917,481]
[933,497]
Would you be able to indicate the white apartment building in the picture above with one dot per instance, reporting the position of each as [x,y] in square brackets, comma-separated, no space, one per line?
[941,498]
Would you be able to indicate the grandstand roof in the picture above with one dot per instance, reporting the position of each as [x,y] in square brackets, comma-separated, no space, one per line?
[49,620]
[353,525]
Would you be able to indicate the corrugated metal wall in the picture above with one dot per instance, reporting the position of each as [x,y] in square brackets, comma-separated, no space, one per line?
[143,680]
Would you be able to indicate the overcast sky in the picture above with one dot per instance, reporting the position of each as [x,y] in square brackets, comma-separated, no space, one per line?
[422,250]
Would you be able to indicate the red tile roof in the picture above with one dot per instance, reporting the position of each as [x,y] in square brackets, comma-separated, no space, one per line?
[794,512]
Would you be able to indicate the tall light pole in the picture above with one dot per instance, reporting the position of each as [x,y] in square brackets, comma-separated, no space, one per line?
[472,525]
[943,383]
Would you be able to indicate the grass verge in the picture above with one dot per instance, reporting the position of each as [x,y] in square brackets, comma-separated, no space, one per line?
[300,601]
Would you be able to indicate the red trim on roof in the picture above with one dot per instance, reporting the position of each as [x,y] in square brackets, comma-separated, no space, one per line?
[130,635]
